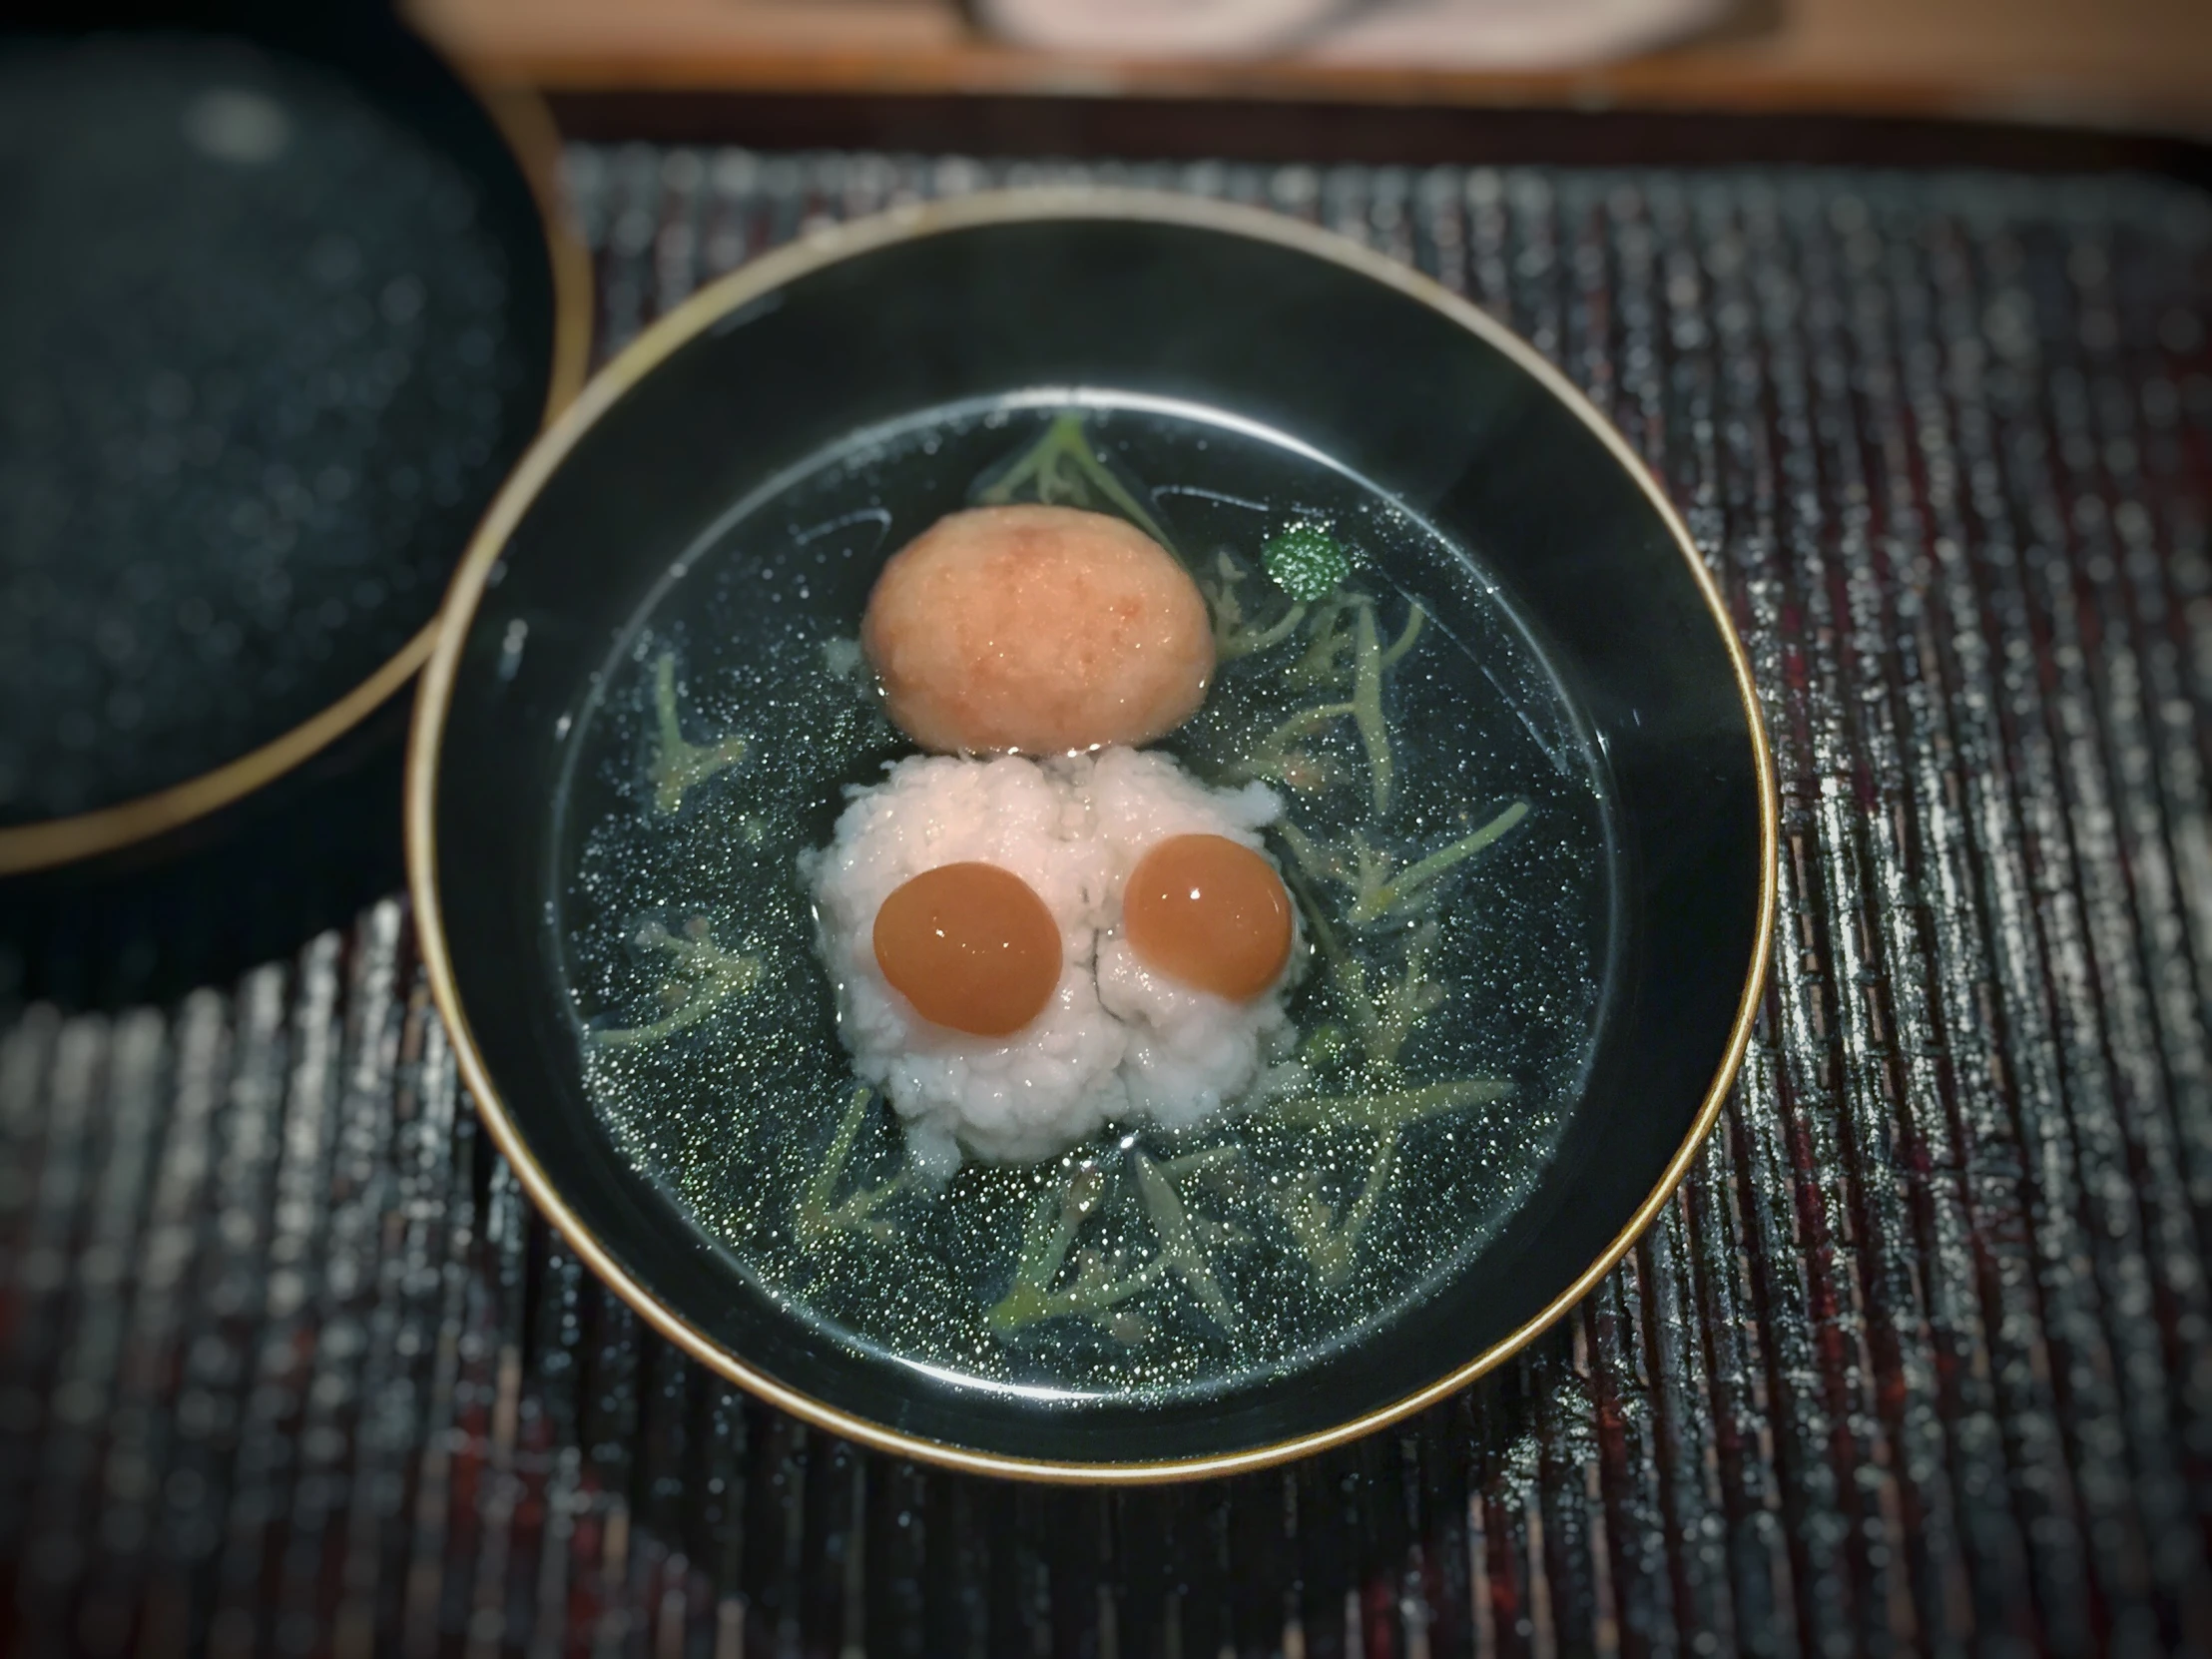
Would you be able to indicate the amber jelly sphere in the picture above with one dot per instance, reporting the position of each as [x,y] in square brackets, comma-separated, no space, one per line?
[1209,914]
[971,946]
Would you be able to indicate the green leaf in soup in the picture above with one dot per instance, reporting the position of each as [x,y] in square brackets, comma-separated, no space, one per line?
[1306,562]
[1062,469]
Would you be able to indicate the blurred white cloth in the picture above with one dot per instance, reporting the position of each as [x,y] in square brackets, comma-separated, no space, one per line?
[1423,34]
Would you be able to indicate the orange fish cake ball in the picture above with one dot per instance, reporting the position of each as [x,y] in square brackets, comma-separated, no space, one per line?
[1037,631]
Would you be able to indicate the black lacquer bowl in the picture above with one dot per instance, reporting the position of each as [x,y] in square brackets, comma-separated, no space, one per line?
[1126,310]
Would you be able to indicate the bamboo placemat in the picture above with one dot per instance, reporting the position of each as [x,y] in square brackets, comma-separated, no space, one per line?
[1921,1356]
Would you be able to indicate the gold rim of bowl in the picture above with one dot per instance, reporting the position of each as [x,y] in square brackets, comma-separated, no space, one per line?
[762,275]
[527,126]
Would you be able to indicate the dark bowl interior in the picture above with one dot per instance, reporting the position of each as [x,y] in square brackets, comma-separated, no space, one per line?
[1376,377]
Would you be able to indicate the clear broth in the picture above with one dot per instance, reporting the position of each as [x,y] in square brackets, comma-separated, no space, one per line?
[707,1021]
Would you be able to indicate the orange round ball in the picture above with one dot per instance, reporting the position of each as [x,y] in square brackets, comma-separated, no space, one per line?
[1037,631]
[1211,913]
[971,946]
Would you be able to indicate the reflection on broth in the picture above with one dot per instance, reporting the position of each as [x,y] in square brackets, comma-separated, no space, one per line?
[1256,1164]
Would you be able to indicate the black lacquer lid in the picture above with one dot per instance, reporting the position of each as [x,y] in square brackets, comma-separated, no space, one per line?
[281,300]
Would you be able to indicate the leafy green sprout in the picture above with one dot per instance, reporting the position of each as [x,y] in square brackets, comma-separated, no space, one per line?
[1277,754]
[821,1217]
[706,976]
[678,764]
[1378,891]
[1184,1245]
[1388,1111]
[1326,1045]
[1233,638]
[1328,644]
[1329,1243]
[1063,470]
[1180,1243]
[1382,1021]
[1099,1286]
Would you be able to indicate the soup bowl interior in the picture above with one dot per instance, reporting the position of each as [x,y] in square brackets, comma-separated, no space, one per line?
[1273,324]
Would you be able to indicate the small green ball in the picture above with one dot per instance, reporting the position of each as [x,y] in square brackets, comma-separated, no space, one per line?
[1306,562]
